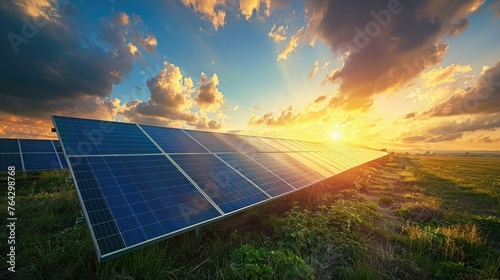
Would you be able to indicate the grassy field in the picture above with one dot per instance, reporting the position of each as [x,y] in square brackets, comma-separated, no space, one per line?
[399,218]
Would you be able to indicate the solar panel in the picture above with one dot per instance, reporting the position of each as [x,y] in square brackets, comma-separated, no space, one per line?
[210,141]
[258,146]
[325,173]
[229,190]
[133,199]
[30,155]
[273,143]
[9,146]
[173,140]
[7,160]
[265,179]
[41,161]
[36,146]
[139,184]
[92,137]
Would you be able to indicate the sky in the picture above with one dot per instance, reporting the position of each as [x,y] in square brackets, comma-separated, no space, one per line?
[390,74]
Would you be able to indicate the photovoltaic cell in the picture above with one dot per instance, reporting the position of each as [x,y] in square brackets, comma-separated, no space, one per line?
[211,142]
[258,145]
[58,146]
[237,142]
[173,140]
[325,173]
[134,199]
[287,173]
[36,146]
[256,173]
[298,167]
[7,160]
[64,163]
[9,146]
[274,144]
[91,137]
[41,161]
[223,185]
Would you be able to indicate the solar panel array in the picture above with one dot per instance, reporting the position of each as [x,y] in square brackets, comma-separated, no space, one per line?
[31,155]
[138,184]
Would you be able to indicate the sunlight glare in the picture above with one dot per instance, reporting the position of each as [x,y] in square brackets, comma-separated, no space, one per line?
[335,135]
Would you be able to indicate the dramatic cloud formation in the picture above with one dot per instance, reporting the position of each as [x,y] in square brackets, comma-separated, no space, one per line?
[55,67]
[278,34]
[386,44]
[210,10]
[171,102]
[482,98]
[209,98]
[452,130]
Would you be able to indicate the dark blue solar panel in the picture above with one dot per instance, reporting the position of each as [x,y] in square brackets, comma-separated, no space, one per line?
[64,163]
[9,146]
[91,137]
[147,196]
[106,233]
[58,146]
[263,178]
[211,142]
[173,140]
[7,160]
[222,184]
[36,146]
[41,161]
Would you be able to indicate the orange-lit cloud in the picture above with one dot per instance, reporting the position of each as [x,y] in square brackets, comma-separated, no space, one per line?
[314,70]
[443,75]
[211,10]
[171,102]
[291,45]
[209,98]
[44,10]
[385,46]
[482,98]
[278,34]
[149,43]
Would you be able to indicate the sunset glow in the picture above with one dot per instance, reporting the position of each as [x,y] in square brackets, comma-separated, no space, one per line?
[385,73]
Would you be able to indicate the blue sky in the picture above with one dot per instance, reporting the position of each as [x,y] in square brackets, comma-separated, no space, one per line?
[267,67]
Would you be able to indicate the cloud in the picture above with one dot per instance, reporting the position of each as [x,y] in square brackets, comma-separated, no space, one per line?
[314,70]
[385,44]
[482,98]
[170,89]
[123,19]
[451,130]
[247,7]
[171,102]
[410,115]
[71,69]
[496,7]
[292,44]
[211,11]
[236,107]
[149,43]
[278,34]
[442,75]
[209,98]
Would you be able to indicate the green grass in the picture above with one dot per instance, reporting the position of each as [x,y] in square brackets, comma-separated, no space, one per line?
[424,217]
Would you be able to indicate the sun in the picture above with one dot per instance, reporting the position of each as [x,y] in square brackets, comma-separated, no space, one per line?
[335,135]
